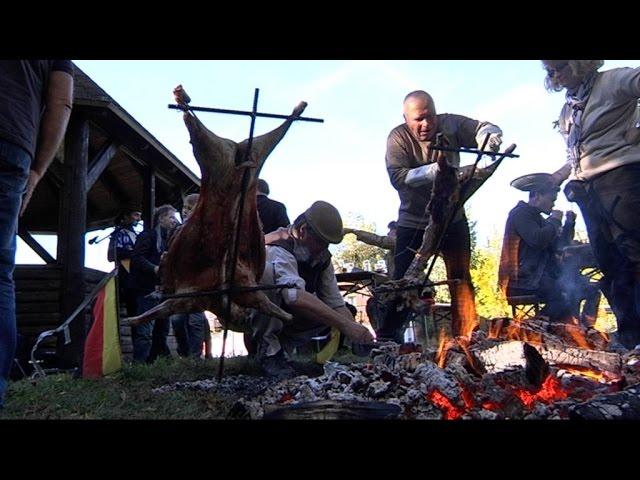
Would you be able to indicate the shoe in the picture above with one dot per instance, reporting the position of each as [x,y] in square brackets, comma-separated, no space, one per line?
[277,366]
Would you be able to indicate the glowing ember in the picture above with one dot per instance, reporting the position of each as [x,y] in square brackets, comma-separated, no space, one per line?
[491,406]
[451,412]
[287,397]
[550,391]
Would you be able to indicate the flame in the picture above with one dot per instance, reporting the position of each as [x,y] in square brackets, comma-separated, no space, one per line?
[468,305]
[585,372]
[550,391]
[441,355]
[578,336]
[451,412]
[514,330]
[464,344]
[494,328]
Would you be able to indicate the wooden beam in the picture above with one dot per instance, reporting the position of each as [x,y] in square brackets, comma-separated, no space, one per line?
[101,161]
[148,198]
[71,242]
[35,246]
[113,186]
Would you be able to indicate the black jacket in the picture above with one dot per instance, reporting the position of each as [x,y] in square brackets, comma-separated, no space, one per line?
[273,214]
[529,247]
[144,258]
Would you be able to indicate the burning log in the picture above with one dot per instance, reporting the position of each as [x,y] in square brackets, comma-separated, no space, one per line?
[577,357]
[512,355]
[539,331]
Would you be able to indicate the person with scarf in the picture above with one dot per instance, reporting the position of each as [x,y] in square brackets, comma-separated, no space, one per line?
[150,339]
[600,122]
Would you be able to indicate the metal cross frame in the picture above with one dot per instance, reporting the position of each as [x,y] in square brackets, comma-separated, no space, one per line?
[243,193]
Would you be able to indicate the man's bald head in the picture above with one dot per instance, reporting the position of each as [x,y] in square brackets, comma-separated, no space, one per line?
[419,96]
[420,115]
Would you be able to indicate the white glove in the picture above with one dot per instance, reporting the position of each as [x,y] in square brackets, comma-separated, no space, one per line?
[495,137]
[422,175]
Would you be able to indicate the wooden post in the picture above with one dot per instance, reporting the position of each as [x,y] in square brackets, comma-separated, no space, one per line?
[71,231]
[148,198]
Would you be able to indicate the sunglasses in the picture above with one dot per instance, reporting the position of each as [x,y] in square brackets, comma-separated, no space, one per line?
[552,71]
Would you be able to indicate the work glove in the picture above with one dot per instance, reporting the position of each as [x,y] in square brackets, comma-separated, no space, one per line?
[495,137]
[422,175]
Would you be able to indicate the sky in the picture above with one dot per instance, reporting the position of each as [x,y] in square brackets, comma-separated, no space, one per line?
[342,160]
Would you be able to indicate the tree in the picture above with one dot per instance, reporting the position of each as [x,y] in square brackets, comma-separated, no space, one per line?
[490,302]
[353,251]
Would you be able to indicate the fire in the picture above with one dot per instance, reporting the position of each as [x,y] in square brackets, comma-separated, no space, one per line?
[550,391]
[441,356]
[578,336]
[468,305]
[491,406]
[585,372]
[451,412]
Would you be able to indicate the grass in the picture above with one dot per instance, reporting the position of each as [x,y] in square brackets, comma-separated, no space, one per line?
[128,394]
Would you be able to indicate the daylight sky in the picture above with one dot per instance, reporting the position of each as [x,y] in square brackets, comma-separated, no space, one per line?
[342,160]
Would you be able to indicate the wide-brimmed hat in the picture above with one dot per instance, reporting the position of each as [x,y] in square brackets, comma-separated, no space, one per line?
[535,182]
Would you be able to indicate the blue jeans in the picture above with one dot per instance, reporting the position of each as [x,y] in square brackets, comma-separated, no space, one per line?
[14,171]
[189,329]
[150,339]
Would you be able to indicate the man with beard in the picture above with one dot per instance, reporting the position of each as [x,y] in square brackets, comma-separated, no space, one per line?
[299,255]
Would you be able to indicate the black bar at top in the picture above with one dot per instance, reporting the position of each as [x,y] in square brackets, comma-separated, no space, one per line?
[249,114]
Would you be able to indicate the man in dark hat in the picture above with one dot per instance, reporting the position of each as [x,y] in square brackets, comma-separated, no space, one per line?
[528,264]
[300,255]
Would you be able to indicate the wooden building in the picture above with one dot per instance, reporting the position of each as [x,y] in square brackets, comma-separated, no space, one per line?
[108,161]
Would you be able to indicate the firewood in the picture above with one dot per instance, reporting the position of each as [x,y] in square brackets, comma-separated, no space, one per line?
[623,405]
[592,359]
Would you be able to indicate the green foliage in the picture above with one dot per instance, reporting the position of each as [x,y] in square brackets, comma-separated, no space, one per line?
[353,251]
[490,302]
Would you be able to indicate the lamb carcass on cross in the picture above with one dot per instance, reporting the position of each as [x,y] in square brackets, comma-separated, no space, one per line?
[198,256]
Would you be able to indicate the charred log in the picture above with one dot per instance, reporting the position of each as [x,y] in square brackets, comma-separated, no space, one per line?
[623,405]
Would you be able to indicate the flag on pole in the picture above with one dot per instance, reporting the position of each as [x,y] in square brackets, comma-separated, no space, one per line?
[102,354]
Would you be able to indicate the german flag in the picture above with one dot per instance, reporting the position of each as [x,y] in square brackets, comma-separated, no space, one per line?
[102,354]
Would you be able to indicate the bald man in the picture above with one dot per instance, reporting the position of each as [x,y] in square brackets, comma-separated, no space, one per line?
[412,168]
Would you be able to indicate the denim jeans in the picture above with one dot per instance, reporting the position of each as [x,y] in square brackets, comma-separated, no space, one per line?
[189,329]
[14,171]
[150,339]
[611,215]
[456,251]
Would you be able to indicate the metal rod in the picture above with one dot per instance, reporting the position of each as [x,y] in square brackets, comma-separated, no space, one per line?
[236,243]
[231,291]
[241,112]
[475,151]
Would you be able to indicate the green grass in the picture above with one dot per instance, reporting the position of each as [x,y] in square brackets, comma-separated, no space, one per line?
[128,394]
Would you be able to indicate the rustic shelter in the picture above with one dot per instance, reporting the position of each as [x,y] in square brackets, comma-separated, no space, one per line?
[108,161]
